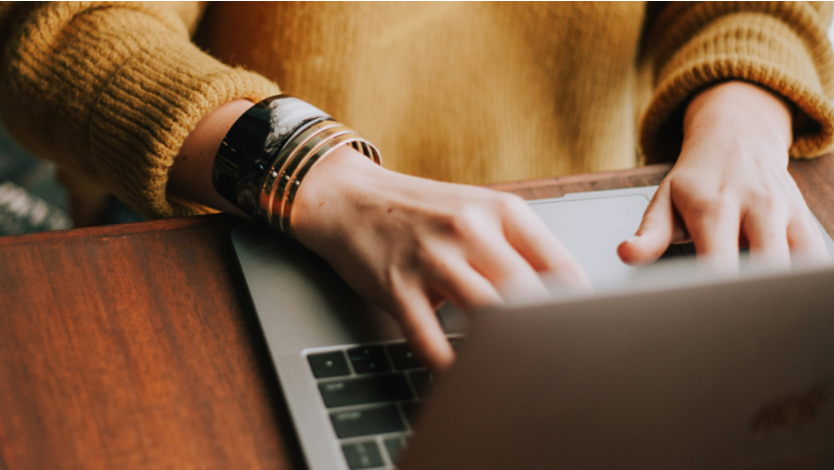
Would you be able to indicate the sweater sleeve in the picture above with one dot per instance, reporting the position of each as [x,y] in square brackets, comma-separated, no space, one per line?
[110,91]
[781,46]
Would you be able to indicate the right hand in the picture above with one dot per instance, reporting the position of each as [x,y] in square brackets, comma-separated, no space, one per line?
[409,244]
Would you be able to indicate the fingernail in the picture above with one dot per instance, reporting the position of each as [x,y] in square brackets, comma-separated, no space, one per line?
[632,239]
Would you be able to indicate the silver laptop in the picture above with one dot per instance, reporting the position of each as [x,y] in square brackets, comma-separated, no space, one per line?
[605,382]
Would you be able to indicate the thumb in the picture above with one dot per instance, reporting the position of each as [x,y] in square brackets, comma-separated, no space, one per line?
[655,233]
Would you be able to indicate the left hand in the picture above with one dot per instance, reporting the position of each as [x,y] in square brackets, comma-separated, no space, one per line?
[730,186]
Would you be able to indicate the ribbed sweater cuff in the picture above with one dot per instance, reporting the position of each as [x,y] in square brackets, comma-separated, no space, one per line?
[147,110]
[756,48]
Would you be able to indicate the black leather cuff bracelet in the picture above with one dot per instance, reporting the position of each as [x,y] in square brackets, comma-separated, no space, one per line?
[268,151]
[252,144]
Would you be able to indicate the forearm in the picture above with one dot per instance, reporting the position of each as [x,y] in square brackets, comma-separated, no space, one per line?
[191,175]
[111,91]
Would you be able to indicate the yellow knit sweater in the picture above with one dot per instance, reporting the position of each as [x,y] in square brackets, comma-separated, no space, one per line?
[474,93]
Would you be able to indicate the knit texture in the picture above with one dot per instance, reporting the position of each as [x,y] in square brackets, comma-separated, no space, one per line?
[473,93]
[778,45]
[111,91]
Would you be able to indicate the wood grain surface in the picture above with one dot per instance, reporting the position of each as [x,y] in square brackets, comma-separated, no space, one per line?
[136,346]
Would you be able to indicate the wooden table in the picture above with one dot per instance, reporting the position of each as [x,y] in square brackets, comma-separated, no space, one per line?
[137,346]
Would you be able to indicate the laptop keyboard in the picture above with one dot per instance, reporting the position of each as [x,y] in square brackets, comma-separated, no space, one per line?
[372,394]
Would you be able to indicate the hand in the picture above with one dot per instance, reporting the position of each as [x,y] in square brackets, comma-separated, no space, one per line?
[730,186]
[409,243]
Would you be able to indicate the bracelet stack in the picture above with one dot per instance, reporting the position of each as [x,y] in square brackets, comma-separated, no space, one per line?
[267,153]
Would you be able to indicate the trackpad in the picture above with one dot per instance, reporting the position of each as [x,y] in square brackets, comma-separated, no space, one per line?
[592,228]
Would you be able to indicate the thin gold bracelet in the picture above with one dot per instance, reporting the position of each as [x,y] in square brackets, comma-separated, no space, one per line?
[363,146]
[267,191]
[296,159]
[312,146]
[289,160]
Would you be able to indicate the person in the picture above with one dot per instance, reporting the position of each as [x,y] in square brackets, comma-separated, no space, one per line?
[119,97]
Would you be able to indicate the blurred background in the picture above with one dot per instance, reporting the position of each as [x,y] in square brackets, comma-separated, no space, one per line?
[32,200]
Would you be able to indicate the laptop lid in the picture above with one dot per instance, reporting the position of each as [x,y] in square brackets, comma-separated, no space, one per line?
[730,375]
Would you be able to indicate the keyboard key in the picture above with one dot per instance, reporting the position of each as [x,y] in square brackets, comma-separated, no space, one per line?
[410,410]
[362,455]
[423,382]
[395,447]
[403,356]
[366,422]
[365,390]
[331,364]
[369,359]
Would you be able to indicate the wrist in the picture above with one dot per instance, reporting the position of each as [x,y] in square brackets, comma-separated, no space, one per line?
[268,152]
[341,178]
[739,109]
[191,174]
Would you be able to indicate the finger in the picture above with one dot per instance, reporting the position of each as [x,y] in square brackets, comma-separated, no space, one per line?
[806,241]
[715,233]
[659,228]
[528,235]
[767,238]
[466,288]
[422,329]
[506,269]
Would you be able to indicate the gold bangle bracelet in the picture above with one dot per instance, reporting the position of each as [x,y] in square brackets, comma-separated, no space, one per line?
[309,145]
[310,148]
[355,141]
[289,176]
[282,162]
[289,159]
[268,151]
[267,191]
[245,159]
